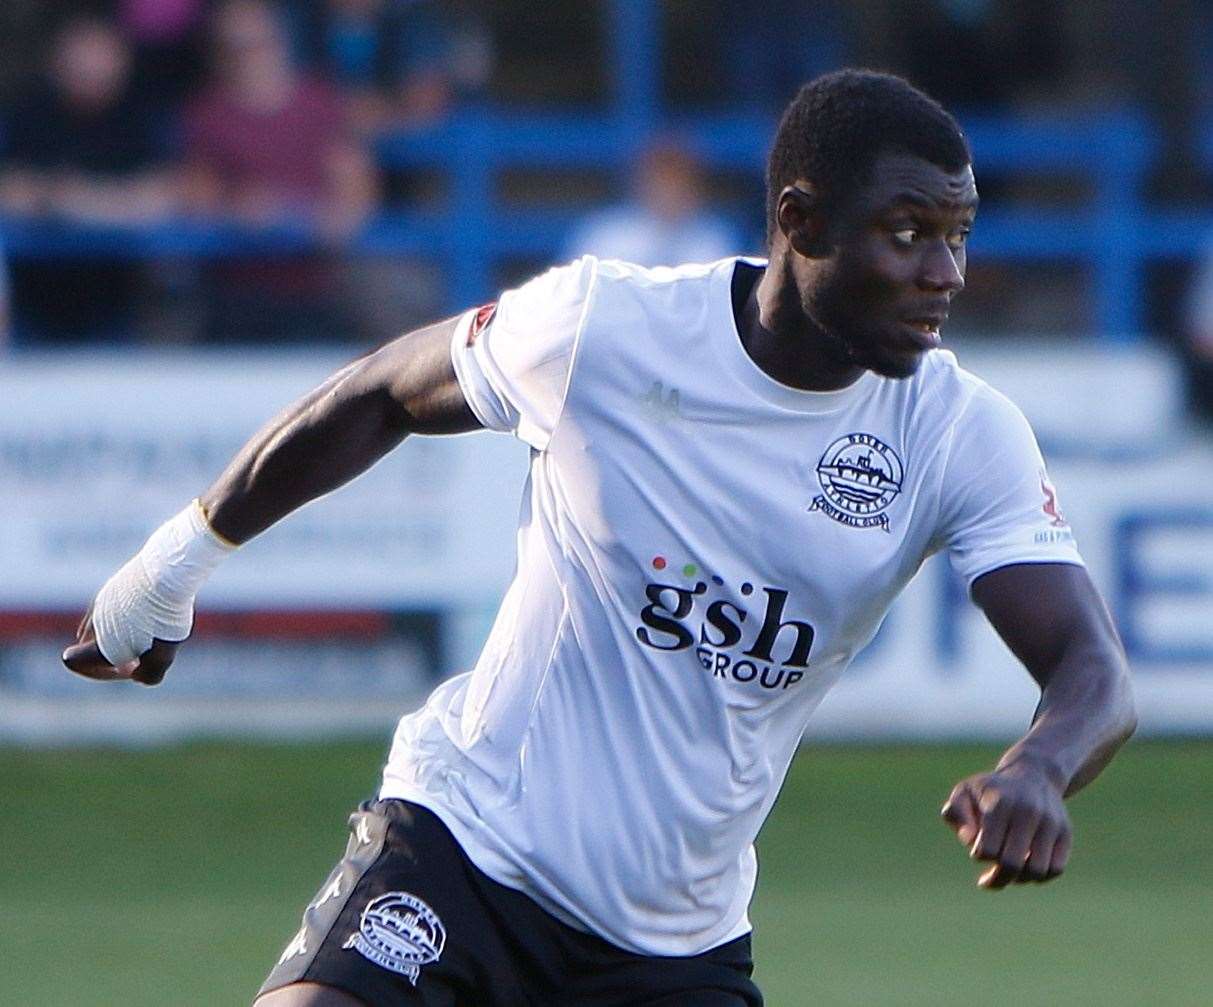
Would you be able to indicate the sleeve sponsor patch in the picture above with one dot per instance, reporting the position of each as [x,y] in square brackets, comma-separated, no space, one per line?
[1051,508]
[480,320]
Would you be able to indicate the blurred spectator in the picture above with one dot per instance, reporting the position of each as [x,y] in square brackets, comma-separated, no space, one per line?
[79,148]
[268,148]
[166,35]
[400,62]
[665,223]
[265,145]
[1198,340]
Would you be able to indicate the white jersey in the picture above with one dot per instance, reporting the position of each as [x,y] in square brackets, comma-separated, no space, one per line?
[701,552]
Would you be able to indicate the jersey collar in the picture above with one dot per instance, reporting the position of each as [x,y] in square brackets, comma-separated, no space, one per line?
[733,355]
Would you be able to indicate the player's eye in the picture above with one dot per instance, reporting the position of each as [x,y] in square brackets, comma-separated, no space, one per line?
[905,236]
[957,239]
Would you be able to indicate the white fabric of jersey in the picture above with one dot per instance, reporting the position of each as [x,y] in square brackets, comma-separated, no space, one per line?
[701,552]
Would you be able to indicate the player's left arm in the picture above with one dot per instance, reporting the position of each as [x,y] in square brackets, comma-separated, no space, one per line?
[1053,619]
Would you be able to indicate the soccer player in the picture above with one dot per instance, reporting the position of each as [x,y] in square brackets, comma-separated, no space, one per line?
[735,468]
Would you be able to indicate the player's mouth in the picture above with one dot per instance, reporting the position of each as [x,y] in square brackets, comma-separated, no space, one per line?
[925,331]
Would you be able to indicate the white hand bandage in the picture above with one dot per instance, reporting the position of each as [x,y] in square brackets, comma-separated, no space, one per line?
[152,595]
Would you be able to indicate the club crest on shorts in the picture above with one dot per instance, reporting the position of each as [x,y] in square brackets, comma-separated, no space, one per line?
[400,933]
[860,476]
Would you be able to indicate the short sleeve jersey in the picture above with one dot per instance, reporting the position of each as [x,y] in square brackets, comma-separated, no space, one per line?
[701,552]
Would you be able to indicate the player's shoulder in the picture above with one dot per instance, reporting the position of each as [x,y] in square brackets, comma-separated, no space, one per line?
[686,297]
[607,291]
[630,274]
[615,292]
[961,398]
[560,292]
[945,382]
[588,271]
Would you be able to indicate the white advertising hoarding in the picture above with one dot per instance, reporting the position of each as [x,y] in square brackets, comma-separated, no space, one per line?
[97,450]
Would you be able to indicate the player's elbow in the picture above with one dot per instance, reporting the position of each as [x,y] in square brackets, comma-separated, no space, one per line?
[1115,692]
[1093,680]
[1127,709]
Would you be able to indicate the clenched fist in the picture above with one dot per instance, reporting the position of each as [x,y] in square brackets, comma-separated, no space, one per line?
[1014,818]
[84,657]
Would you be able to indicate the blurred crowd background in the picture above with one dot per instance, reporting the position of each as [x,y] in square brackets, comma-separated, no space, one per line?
[199,172]
[208,205]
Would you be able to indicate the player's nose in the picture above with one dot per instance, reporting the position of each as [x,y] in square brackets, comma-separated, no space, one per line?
[941,270]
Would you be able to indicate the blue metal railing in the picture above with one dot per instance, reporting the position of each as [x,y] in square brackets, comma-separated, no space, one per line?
[1111,233]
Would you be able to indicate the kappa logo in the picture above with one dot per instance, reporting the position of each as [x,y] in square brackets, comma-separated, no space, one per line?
[297,946]
[860,477]
[662,405]
[331,891]
[400,933]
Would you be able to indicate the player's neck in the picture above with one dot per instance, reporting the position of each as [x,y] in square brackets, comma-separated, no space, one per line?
[780,338]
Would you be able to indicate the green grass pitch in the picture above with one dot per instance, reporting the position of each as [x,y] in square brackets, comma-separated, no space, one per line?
[176,876]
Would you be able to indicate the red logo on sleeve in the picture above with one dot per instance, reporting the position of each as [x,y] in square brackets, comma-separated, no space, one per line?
[1050,507]
[481,320]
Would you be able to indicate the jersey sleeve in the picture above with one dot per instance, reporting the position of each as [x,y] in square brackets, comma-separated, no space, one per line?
[998,506]
[514,358]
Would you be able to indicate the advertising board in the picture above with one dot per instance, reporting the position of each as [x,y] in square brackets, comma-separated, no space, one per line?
[344,615]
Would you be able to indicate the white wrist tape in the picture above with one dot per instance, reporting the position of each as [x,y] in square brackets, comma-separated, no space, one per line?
[152,596]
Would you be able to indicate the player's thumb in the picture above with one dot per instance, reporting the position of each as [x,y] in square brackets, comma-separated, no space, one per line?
[961,812]
[81,655]
[86,659]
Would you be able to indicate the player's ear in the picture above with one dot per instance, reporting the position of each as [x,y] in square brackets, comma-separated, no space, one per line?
[801,219]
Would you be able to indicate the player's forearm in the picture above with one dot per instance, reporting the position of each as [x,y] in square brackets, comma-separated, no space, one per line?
[322,441]
[314,446]
[1086,713]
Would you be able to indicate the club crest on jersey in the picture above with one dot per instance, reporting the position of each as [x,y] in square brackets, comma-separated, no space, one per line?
[400,933]
[860,476]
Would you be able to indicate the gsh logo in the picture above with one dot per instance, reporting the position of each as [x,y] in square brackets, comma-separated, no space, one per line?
[774,655]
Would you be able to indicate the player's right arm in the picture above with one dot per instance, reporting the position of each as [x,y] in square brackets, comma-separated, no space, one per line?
[340,430]
[317,444]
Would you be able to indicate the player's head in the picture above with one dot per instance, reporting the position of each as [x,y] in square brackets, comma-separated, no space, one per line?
[869,197]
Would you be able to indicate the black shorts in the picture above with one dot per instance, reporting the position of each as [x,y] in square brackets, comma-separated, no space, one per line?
[407,918]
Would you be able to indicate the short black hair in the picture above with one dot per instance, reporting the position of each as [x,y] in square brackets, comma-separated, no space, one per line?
[840,123]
